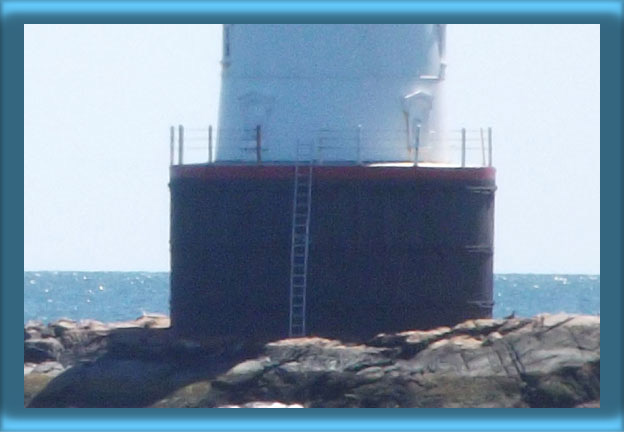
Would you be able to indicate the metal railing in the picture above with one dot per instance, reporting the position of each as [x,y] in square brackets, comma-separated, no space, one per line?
[458,148]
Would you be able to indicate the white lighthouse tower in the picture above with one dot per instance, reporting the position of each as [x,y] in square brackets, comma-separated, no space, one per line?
[347,93]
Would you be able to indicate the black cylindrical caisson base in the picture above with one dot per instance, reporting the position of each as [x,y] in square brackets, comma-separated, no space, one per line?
[391,249]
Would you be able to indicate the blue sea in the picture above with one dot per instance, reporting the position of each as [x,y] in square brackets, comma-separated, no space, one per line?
[119,296]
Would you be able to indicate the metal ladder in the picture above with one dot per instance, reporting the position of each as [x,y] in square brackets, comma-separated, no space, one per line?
[300,243]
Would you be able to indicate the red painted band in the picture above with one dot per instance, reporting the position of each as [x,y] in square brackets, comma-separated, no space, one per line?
[355,172]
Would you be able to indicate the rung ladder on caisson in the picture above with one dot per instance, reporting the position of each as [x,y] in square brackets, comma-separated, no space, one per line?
[300,242]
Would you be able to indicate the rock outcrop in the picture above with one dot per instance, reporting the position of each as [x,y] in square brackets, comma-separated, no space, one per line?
[545,361]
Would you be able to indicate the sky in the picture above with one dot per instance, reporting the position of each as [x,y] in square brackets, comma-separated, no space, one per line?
[99,100]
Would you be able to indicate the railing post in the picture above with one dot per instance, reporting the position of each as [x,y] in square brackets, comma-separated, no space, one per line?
[171,144]
[482,148]
[210,144]
[463,155]
[416,145]
[258,144]
[489,146]
[359,144]
[180,144]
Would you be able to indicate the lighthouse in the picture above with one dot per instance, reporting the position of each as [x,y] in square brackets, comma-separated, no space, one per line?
[332,200]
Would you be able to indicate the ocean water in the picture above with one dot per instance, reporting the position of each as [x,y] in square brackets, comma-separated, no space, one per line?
[118,296]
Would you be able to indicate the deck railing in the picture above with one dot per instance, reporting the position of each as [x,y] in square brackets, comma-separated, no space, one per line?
[458,147]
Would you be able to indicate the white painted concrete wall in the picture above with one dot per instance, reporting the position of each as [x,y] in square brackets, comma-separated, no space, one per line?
[348,92]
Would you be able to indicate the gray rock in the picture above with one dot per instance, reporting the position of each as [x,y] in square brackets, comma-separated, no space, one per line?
[260,404]
[244,372]
[545,361]
[50,368]
[40,350]
[106,383]
[61,326]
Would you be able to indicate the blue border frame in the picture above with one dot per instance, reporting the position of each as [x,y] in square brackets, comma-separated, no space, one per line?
[16,13]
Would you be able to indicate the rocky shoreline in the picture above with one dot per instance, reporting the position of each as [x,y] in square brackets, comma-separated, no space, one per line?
[544,361]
